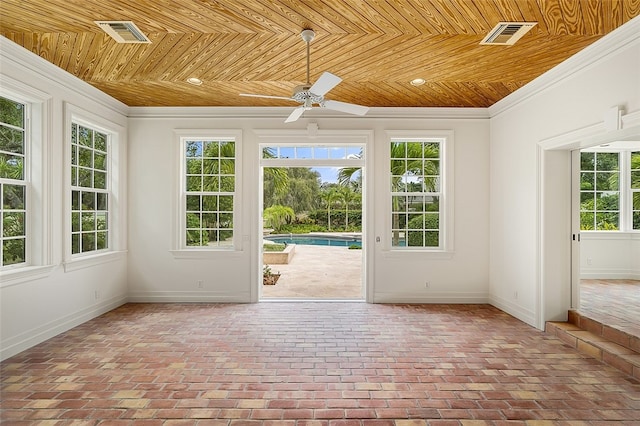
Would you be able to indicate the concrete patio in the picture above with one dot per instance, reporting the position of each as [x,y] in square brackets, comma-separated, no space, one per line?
[319,272]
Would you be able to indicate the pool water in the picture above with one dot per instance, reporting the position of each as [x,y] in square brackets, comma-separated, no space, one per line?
[316,241]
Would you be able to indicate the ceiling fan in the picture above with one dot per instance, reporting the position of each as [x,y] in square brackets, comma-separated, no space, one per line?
[308,94]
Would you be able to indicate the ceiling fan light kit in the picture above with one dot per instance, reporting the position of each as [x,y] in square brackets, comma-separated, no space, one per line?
[308,95]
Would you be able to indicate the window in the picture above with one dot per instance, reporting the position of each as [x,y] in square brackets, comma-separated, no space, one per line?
[14,184]
[609,190]
[599,191]
[89,189]
[209,192]
[416,193]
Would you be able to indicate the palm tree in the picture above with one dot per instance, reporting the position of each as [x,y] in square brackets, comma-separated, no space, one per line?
[278,215]
[348,196]
[329,196]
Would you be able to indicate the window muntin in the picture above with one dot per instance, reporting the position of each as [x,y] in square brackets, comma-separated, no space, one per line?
[89,189]
[209,192]
[634,165]
[416,193]
[13,183]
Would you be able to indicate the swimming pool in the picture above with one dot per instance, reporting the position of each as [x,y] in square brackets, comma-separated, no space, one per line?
[316,240]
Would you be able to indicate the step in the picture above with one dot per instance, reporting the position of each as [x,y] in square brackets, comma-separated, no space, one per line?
[627,336]
[623,358]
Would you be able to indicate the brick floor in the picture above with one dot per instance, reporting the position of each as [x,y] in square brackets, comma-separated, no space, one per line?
[311,363]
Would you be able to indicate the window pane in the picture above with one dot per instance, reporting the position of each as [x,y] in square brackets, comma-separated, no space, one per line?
[88,242]
[100,161]
[75,200]
[101,241]
[11,112]
[194,183]
[13,197]
[84,136]
[100,142]
[75,222]
[88,200]
[587,161]
[13,224]
[85,157]
[11,140]
[101,221]
[194,166]
[193,202]
[13,251]
[587,220]
[607,161]
[607,201]
[11,166]
[211,183]
[75,243]
[607,181]
[607,221]
[102,201]
[100,180]
[85,178]
[88,222]
[587,181]
[635,179]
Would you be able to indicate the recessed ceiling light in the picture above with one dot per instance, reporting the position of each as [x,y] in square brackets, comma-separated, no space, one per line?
[195,81]
[418,81]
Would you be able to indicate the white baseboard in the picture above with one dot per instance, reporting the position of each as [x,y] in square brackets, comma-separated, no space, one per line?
[517,311]
[609,274]
[431,298]
[187,297]
[23,341]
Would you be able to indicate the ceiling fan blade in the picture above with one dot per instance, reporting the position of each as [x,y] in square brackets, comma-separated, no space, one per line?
[266,96]
[326,82]
[346,107]
[295,114]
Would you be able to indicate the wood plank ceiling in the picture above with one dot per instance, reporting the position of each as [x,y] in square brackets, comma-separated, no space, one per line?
[254,46]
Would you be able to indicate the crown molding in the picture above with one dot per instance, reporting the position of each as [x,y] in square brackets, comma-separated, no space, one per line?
[21,58]
[283,112]
[621,38]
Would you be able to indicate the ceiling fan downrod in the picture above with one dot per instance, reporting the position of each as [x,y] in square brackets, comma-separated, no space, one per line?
[308,35]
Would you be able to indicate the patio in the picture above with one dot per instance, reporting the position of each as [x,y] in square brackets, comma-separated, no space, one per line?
[318,272]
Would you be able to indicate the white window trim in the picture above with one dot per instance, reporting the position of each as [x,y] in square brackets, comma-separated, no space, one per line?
[446,250]
[178,248]
[116,172]
[39,242]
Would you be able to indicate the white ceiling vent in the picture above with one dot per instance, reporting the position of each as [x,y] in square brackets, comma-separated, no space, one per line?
[123,31]
[506,33]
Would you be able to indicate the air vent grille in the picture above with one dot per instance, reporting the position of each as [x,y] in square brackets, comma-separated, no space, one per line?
[123,31]
[507,33]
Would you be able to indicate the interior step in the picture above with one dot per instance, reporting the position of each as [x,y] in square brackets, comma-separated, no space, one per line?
[612,346]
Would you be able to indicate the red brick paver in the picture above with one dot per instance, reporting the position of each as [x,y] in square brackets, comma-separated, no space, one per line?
[323,363]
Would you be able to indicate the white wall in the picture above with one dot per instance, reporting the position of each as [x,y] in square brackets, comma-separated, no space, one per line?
[156,275]
[610,255]
[530,197]
[36,308]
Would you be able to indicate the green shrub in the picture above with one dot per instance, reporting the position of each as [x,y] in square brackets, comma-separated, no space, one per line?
[273,247]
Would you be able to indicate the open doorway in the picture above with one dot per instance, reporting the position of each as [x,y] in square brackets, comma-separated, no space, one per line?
[606,218]
[312,222]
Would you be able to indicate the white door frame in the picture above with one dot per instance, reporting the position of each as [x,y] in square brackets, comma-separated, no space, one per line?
[314,137]
[586,137]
